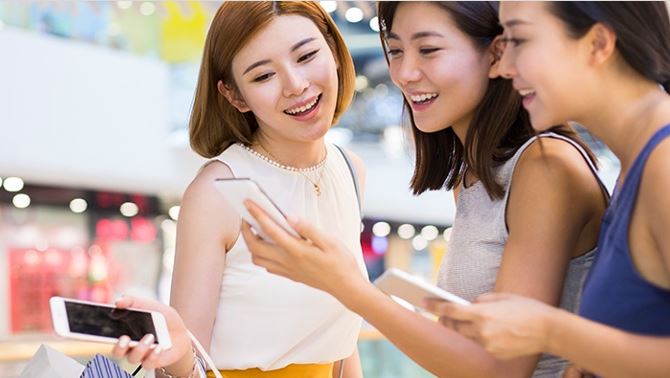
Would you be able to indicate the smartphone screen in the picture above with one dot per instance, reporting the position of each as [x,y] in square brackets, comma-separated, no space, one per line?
[108,321]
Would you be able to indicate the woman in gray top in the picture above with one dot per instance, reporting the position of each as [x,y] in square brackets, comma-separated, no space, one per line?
[528,207]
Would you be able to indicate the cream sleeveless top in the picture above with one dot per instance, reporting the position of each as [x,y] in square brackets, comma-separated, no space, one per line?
[470,266]
[266,321]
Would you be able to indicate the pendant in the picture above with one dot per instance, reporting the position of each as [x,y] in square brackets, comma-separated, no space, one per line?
[317,189]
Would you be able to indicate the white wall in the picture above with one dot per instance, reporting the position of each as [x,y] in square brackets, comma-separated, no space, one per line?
[81,115]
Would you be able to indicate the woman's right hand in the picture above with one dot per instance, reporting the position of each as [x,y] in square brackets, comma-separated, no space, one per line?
[156,357]
[319,260]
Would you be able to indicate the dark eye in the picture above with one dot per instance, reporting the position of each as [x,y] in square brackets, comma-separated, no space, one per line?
[394,52]
[263,77]
[513,41]
[307,56]
[428,50]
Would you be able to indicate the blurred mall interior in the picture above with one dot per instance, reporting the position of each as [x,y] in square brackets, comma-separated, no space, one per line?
[94,103]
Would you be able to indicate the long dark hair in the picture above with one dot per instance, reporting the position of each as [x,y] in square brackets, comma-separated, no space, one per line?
[642,30]
[500,124]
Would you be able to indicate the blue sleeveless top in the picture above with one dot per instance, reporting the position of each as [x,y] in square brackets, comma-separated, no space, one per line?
[615,293]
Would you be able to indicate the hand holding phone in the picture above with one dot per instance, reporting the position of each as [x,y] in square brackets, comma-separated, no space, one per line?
[99,322]
[412,289]
[236,190]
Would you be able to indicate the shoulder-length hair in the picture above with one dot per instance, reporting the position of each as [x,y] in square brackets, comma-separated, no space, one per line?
[215,123]
[500,124]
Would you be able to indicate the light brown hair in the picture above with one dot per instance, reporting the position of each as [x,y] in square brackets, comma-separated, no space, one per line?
[215,123]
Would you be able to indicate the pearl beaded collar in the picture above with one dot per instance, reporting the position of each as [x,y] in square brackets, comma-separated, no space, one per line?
[283,166]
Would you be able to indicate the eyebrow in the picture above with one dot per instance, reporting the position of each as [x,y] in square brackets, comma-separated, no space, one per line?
[266,61]
[515,22]
[417,35]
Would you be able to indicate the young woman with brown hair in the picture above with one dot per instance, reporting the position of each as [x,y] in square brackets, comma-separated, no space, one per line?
[275,76]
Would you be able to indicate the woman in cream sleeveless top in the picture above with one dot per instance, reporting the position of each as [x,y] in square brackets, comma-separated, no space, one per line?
[470,266]
[268,322]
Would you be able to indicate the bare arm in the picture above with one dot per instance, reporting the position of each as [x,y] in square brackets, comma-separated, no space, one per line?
[207,228]
[607,351]
[352,367]
[553,197]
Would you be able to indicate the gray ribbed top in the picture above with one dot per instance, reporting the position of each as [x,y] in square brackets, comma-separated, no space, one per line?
[477,241]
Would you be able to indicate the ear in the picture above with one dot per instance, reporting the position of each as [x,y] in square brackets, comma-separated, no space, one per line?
[496,50]
[233,96]
[601,41]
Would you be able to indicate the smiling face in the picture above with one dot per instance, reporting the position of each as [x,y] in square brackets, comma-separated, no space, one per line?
[442,74]
[287,76]
[549,68]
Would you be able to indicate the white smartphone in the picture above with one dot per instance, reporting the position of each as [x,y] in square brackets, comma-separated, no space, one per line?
[99,322]
[236,190]
[413,289]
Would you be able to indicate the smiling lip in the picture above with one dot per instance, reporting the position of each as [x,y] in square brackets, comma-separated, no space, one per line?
[308,114]
[296,107]
[527,100]
[420,106]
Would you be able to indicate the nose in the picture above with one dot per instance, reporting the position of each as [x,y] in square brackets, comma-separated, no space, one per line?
[406,70]
[294,82]
[507,62]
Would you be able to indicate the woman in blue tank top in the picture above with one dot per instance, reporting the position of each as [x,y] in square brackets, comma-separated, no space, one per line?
[607,67]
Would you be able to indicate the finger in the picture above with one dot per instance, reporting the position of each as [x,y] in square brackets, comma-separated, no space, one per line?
[141,303]
[261,249]
[152,359]
[451,310]
[124,302]
[493,297]
[271,266]
[254,242]
[121,347]
[467,329]
[273,230]
[446,322]
[141,350]
[307,230]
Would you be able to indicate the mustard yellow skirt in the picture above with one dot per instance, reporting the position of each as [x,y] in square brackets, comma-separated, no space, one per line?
[291,371]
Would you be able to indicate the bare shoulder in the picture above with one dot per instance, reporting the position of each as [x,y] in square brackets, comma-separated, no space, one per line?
[554,160]
[204,210]
[204,179]
[554,175]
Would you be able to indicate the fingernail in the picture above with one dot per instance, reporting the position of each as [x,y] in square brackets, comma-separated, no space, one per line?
[148,339]
[124,341]
[157,350]
[292,219]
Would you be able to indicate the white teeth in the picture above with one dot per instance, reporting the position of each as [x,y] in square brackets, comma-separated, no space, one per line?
[526,92]
[303,108]
[422,97]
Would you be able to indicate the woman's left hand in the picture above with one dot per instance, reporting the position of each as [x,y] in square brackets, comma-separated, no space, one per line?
[157,357]
[506,325]
[320,261]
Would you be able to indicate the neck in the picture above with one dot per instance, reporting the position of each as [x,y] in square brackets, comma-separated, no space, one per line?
[292,153]
[461,129]
[627,117]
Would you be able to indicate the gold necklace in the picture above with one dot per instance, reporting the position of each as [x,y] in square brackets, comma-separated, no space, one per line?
[319,166]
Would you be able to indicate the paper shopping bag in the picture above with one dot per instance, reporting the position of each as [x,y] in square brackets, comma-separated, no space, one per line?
[102,367]
[50,363]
